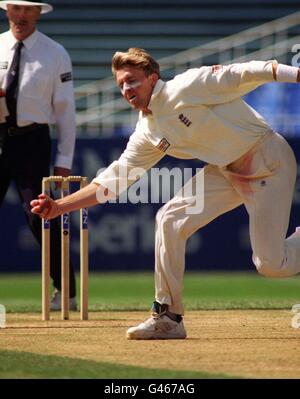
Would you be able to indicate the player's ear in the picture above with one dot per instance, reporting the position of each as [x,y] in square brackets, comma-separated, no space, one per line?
[153,79]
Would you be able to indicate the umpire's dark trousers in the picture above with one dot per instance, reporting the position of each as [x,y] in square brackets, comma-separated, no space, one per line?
[25,159]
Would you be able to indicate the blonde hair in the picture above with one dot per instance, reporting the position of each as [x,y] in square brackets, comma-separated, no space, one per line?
[135,57]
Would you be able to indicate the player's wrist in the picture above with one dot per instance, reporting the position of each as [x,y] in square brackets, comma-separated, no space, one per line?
[287,74]
[60,206]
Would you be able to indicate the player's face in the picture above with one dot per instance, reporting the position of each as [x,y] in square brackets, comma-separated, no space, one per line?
[135,86]
[22,20]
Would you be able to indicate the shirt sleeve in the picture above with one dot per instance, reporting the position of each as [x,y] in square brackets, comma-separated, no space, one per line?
[218,84]
[239,79]
[64,113]
[139,156]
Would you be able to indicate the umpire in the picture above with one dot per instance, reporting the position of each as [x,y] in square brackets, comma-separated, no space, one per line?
[36,83]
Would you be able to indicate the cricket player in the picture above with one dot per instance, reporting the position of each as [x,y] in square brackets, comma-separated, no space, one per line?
[200,114]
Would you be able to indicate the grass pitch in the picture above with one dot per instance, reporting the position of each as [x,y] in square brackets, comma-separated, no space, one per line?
[235,321]
[135,291]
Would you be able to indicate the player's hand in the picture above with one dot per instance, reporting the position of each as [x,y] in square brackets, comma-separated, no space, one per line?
[45,207]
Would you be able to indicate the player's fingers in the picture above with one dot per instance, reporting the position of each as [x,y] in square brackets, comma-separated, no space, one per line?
[37,202]
[36,209]
[44,206]
[34,203]
[41,205]
[42,212]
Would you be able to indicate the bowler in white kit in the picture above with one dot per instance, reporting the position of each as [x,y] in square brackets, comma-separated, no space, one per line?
[200,115]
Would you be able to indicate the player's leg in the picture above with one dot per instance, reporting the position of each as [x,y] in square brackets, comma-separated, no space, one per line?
[269,204]
[174,225]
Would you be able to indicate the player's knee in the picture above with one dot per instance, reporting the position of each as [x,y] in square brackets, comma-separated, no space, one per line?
[164,217]
[167,220]
[269,267]
[160,215]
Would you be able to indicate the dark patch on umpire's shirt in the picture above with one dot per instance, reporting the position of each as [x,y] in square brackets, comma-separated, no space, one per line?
[65,77]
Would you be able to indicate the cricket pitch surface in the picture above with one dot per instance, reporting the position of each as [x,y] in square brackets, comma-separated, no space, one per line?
[237,343]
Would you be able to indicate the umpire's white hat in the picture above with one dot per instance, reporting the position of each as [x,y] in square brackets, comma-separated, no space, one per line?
[44,6]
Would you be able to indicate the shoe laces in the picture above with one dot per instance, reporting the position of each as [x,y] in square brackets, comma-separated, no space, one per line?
[158,310]
[156,316]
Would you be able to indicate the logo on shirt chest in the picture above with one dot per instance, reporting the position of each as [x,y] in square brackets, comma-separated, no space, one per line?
[184,120]
[3,64]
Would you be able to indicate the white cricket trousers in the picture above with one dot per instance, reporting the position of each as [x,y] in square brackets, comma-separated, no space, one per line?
[263,180]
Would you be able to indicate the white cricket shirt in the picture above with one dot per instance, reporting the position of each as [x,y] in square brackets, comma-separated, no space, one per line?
[197,115]
[46,93]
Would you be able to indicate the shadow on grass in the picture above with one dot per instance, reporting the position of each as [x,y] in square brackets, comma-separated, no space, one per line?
[24,365]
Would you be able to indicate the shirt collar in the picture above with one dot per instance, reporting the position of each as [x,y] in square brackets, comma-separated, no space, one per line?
[158,87]
[28,42]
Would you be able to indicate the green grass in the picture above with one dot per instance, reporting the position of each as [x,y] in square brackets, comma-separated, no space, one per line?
[28,365]
[135,291]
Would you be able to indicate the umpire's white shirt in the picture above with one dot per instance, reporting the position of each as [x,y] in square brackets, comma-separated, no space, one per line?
[198,114]
[46,93]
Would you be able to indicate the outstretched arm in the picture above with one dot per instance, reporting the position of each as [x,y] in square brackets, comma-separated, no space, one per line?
[88,196]
[218,84]
[239,79]
[139,156]
[285,73]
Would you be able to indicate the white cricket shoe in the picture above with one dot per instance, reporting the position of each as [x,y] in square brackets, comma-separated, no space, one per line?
[157,327]
[55,303]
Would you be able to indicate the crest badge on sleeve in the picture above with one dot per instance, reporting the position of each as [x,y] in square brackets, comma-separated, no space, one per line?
[163,145]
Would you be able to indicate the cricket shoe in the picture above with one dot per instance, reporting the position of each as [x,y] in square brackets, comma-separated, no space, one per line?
[55,303]
[158,326]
